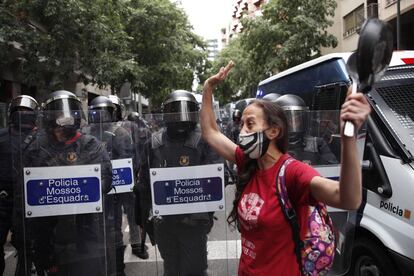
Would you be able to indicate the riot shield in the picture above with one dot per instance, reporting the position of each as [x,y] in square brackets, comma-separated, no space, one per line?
[183,201]
[124,142]
[62,225]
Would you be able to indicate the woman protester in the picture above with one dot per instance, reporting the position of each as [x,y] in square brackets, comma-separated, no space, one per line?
[267,242]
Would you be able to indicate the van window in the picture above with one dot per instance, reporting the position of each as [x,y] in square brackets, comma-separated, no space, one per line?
[303,82]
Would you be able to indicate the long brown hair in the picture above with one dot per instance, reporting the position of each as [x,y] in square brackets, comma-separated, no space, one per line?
[274,116]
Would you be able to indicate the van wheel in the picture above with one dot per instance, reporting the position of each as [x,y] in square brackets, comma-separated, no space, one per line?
[370,259]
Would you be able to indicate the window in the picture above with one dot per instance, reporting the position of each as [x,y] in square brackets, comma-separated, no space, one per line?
[372,10]
[353,21]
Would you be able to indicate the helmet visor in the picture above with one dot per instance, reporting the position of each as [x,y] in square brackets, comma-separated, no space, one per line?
[23,101]
[99,115]
[296,120]
[63,112]
[181,111]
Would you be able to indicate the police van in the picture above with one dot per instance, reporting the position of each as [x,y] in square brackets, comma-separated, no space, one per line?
[379,238]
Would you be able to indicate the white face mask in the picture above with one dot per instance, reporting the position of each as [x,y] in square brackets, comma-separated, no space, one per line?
[254,144]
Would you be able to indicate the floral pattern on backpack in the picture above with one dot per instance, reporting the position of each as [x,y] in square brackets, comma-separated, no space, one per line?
[316,251]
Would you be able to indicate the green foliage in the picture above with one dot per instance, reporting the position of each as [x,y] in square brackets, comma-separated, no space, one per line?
[240,79]
[105,42]
[165,46]
[68,40]
[288,33]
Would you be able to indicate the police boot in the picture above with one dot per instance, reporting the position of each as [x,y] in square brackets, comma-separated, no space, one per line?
[120,266]
[140,250]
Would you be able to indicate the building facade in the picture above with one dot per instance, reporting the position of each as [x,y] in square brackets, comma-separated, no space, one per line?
[350,15]
[348,19]
[241,9]
[212,48]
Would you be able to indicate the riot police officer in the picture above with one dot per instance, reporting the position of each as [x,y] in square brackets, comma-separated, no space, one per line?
[118,142]
[72,244]
[119,108]
[140,132]
[181,239]
[233,127]
[126,201]
[22,123]
[302,146]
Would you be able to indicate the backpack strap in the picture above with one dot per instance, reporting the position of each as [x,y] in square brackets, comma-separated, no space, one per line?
[288,210]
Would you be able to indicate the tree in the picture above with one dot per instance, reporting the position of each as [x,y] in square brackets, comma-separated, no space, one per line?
[164,44]
[237,84]
[288,33]
[67,40]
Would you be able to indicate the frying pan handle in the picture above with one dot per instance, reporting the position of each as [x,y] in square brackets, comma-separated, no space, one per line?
[349,129]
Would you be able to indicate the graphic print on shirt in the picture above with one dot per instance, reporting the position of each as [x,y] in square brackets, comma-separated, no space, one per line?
[249,210]
[248,248]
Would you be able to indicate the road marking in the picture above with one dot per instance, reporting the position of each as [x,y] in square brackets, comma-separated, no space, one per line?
[217,250]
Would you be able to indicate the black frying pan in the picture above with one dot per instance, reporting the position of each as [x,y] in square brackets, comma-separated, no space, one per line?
[369,62]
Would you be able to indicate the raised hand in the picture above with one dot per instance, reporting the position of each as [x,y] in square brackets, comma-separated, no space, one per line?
[355,109]
[220,76]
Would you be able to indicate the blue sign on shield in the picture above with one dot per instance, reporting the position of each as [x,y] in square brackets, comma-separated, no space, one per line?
[62,191]
[188,190]
[121,176]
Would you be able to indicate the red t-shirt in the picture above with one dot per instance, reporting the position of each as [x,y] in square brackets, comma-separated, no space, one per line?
[267,243]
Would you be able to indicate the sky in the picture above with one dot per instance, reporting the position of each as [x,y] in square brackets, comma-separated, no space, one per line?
[208,16]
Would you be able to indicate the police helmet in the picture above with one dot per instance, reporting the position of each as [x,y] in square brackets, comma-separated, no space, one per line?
[180,106]
[63,109]
[133,116]
[180,112]
[101,110]
[271,97]
[119,107]
[236,115]
[241,104]
[22,112]
[295,110]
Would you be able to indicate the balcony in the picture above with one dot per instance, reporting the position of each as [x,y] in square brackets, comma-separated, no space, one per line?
[372,10]
[390,2]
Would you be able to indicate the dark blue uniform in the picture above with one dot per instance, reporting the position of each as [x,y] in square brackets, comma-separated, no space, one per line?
[71,244]
[6,191]
[181,239]
[118,144]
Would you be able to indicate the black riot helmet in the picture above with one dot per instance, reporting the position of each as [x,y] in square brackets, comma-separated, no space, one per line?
[134,116]
[119,108]
[271,97]
[295,110]
[237,114]
[180,112]
[63,111]
[101,110]
[22,113]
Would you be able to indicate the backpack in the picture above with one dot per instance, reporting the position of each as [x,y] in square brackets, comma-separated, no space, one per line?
[315,252]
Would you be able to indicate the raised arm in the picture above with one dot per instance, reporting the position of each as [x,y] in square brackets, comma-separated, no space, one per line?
[347,193]
[209,129]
